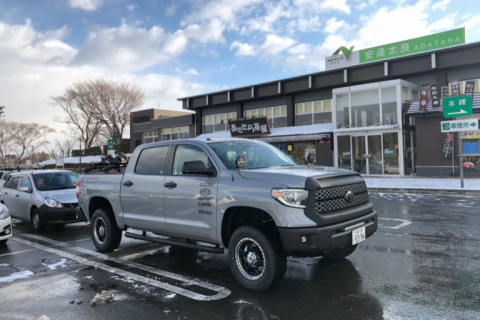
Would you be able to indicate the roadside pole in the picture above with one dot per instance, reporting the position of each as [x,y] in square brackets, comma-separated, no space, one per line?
[460,156]
[80,162]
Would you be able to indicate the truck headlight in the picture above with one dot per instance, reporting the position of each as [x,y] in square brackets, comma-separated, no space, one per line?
[52,203]
[4,213]
[291,197]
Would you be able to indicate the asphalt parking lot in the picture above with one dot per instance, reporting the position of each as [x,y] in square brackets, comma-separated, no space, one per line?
[423,263]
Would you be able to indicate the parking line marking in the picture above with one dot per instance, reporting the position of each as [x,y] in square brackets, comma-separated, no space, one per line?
[126,274]
[222,292]
[403,224]
[16,252]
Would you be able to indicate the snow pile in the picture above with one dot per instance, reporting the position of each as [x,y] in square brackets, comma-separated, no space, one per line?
[103,298]
[59,264]
[17,275]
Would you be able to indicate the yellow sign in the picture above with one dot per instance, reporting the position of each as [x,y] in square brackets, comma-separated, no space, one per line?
[290,147]
[471,135]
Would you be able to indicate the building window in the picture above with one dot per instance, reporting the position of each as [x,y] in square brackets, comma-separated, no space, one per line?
[150,137]
[217,122]
[315,112]
[277,115]
[175,133]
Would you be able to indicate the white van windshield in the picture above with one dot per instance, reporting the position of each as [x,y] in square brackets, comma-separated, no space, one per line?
[55,180]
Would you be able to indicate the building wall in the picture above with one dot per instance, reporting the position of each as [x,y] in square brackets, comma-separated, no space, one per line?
[431,159]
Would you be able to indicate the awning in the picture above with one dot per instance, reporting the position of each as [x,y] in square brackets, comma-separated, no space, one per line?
[298,133]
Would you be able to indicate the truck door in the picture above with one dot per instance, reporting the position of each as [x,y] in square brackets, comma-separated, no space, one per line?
[142,191]
[190,200]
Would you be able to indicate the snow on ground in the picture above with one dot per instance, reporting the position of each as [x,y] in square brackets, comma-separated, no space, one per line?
[17,275]
[422,183]
[59,264]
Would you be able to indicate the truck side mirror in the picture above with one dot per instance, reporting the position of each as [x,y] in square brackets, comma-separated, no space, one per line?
[310,157]
[240,162]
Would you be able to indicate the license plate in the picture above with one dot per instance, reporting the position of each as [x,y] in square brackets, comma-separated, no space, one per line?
[358,235]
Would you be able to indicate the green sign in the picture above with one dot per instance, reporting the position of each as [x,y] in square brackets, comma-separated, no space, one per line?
[412,46]
[459,106]
[110,144]
[460,125]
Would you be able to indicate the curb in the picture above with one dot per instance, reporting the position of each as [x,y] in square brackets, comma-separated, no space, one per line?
[425,191]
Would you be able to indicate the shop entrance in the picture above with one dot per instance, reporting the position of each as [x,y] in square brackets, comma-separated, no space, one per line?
[369,154]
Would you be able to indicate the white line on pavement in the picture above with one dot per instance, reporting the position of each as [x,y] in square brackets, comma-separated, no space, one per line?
[403,224]
[16,252]
[221,291]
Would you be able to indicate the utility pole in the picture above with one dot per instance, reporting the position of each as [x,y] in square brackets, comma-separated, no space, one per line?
[80,162]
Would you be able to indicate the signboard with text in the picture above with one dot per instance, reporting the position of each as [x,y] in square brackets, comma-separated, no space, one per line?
[459,106]
[110,145]
[460,125]
[249,127]
[417,45]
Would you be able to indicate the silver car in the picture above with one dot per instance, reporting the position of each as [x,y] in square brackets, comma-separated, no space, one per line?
[42,197]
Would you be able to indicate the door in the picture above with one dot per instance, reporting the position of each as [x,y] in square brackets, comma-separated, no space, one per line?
[24,198]
[9,195]
[359,154]
[190,200]
[142,191]
[374,154]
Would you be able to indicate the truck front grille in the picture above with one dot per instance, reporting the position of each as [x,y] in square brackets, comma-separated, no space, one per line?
[334,198]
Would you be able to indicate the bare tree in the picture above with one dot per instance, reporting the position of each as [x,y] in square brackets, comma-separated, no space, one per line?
[27,137]
[117,101]
[62,148]
[6,142]
[77,102]
[2,113]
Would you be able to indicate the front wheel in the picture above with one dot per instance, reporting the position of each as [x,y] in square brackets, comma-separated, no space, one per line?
[341,253]
[256,258]
[37,225]
[3,242]
[106,236]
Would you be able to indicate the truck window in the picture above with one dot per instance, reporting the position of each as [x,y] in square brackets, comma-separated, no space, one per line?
[189,153]
[12,183]
[25,183]
[152,161]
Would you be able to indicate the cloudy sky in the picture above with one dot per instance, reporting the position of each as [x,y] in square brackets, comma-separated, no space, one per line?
[185,47]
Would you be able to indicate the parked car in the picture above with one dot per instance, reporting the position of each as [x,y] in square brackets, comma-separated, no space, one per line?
[42,197]
[239,194]
[6,229]
[3,178]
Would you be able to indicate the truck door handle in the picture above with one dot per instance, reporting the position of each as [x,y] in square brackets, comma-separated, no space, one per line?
[16,196]
[6,192]
[128,183]
[171,185]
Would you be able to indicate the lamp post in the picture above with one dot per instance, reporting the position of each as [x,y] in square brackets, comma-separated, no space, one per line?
[80,162]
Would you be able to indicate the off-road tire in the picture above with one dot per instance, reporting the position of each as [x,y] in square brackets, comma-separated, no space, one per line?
[341,253]
[36,223]
[109,239]
[269,246]
[3,242]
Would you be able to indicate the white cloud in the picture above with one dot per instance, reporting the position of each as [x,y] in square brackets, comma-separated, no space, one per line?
[305,25]
[361,6]
[371,2]
[126,48]
[87,5]
[244,49]
[322,6]
[206,32]
[175,43]
[441,4]
[334,26]
[192,72]
[170,10]
[274,44]
[442,24]
[132,7]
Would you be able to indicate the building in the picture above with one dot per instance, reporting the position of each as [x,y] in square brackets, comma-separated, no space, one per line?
[159,125]
[362,112]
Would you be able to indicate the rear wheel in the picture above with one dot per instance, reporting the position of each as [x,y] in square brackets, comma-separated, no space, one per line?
[105,234]
[341,253]
[3,242]
[256,258]
[36,222]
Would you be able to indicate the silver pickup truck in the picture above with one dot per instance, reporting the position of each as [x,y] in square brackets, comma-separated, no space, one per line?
[239,194]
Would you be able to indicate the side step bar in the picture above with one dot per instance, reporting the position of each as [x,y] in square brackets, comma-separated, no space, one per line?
[176,243]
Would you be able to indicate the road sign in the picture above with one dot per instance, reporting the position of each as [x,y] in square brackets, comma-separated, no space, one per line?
[459,106]
[111,152]
[110,144]
[460,125]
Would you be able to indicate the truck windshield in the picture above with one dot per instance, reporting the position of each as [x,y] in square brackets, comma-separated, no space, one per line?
[259,154]
[55,180]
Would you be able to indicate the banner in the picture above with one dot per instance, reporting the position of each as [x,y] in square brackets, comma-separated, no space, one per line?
[470,87]
[448,144]
[434,93]
[249,127]
[455,88]
[444,94]
[424,99]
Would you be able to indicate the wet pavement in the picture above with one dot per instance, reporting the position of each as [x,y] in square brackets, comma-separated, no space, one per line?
[423,263]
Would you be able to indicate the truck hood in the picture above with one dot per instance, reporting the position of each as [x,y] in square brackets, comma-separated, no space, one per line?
[61,196]
[296,176]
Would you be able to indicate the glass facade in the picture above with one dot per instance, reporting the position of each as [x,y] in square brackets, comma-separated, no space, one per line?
[315,112]
[365,108]
[343,111]
[217,122]
[389,105]
[150,137]
[277,115]
[175,133]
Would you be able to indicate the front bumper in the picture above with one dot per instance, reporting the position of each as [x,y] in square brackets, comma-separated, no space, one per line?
[6,230]
[63,215]
[324,239]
